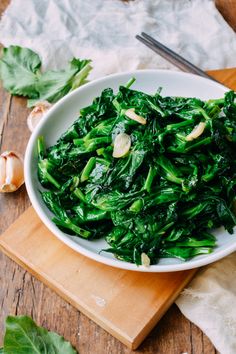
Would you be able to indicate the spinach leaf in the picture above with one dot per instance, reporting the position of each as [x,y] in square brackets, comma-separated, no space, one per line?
[24,336]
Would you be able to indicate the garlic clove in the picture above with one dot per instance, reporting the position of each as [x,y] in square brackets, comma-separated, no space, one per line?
[37,113]
[2,170]
[122,144]
[196,132]
[11,172]
[145,260]
[130,113]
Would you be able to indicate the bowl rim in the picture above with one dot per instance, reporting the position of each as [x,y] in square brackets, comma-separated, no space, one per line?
[195,263]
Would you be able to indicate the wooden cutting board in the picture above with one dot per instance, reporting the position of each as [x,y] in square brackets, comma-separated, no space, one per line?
[127,304]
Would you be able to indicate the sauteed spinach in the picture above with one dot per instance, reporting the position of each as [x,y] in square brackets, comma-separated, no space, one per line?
[172,181]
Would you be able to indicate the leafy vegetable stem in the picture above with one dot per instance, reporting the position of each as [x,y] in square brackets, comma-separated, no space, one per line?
[41,147]
[193,211]
[88,169]
[43,167]
[78,79]
[170,170]
[156,108]
[130,82]
[180,125]
[136,206]
[68,224]
[150,177]
[205,115]
[215,102]
[93,144]
[100,151]
[79,194]
[116,104]
[204,141]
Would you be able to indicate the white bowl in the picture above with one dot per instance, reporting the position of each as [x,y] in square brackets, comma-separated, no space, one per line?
[64,113]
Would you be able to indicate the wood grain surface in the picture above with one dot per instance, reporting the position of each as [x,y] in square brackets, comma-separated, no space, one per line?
[21,293]
[104,294]
[228,11]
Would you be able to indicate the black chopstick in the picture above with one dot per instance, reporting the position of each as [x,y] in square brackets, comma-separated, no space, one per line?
[171,56]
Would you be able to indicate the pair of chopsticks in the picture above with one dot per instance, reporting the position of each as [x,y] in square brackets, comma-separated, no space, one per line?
[171,56]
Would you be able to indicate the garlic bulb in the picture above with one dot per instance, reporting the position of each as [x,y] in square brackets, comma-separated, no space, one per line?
[11,172]
[130,113]
[37,113]
[122,144]
[196,132]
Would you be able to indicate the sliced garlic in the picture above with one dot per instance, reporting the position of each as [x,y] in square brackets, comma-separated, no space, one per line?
[145,260]
[130,113]
[37,113]
[122,144]
[196,132]
[11,172]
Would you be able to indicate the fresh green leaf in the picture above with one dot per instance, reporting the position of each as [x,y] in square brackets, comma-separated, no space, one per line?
[19,71]
[23,336]
[21,75]
[53,85]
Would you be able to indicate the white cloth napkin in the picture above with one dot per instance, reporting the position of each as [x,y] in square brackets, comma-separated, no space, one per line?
[104,31]
[209,301]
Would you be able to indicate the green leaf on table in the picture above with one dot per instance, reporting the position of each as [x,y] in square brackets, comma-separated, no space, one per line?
[23,336]
[53,85]
[19,71]
[21,75]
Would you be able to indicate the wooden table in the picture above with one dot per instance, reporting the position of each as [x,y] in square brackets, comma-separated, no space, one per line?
[21,293]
